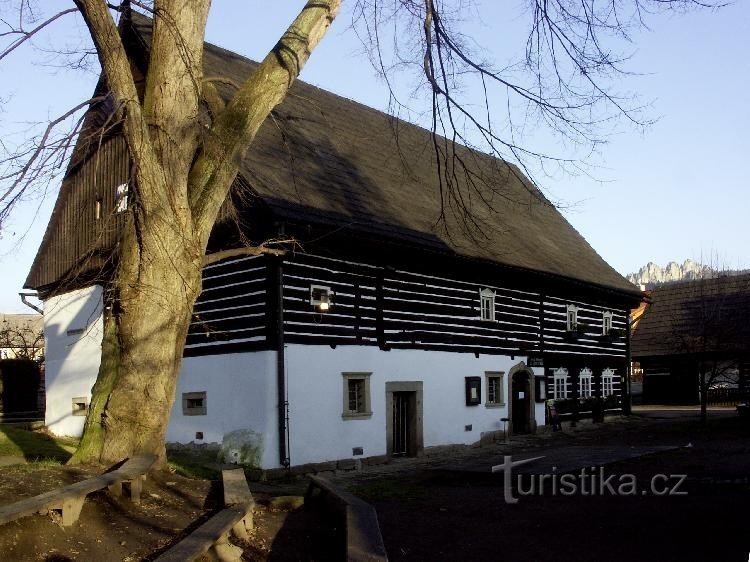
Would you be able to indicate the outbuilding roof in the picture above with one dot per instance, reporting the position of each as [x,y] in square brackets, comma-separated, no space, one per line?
[702,316]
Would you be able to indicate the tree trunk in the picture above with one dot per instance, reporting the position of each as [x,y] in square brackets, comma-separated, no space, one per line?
[177,195]
[704,397]
[157,283]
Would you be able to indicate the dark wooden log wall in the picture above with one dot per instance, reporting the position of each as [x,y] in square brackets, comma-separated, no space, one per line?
[390,308]
[77,243]
[230,314]
[404,309]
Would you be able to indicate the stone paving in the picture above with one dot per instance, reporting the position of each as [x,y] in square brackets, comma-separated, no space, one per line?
[563,450]
[569,450]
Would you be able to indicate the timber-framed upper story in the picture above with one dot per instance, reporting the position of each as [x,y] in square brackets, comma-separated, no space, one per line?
[359,194]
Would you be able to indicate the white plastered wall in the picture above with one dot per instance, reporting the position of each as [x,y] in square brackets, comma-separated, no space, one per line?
[73,329]
[315,391]
[241,394]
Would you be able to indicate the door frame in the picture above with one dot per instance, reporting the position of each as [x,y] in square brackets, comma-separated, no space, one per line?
[516,369]
[417,432]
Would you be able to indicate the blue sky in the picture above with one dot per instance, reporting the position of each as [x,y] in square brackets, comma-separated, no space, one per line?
[676,191]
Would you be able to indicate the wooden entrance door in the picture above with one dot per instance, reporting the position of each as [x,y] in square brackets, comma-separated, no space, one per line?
[521,396]
[403,423]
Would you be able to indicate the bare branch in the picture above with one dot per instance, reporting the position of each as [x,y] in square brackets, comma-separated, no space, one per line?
[25,35]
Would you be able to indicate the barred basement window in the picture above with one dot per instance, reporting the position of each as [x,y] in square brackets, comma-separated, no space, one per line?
[608,382]
[487,304]
[356,404]
[560,386]
[194,404]
[606,323]
[584,383]
[495,396]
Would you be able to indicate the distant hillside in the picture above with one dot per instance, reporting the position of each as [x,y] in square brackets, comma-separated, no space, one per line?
[651,275]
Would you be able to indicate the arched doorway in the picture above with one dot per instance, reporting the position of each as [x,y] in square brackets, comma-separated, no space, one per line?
[521,403]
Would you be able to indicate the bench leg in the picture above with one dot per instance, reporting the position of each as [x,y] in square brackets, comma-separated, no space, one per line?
[135,488]
[224,551]
[239,530]
[115,489]
[71,510]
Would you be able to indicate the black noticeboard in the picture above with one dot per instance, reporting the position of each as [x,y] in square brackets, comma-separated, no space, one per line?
[473,391]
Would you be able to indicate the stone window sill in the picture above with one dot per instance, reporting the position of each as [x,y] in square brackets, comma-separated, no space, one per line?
[356,415]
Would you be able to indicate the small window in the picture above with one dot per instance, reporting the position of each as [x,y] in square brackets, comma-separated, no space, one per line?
[194,404]
[98,209]
[608,382]
[356,396]
[320,297]
[495,395]
[606,323]
[487,304]
[584,383]
[80,406]
[560,386]
[121,198]
[572,317]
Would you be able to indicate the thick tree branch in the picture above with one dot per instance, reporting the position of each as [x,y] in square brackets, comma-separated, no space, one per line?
[236,127]
[116,66]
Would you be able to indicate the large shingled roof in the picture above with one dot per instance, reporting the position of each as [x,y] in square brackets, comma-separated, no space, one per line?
[698,316]
[324,159]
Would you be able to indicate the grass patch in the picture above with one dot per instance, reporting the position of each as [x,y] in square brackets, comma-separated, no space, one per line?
[192,465]
[35,445]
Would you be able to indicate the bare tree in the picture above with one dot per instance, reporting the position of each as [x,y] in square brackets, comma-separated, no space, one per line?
[21,337]
[709,329]
[185,159]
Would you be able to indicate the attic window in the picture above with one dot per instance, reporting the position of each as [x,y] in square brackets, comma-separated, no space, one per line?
[320,297]
[606,323]
[121,198]
[487,304]
[572,318]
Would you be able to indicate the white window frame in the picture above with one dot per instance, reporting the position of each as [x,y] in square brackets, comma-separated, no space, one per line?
[323,288]
[572,325]
[366,413]
[121,198]
[487,296]
[606,323]
[560,384]
[585,383]
[499,399]
[608,382]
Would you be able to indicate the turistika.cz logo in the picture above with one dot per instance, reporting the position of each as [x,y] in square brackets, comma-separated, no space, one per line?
[591,481]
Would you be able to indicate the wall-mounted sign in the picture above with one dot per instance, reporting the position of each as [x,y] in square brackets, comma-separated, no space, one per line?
[535,362]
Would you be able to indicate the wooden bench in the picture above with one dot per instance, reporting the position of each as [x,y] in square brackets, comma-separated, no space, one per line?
[363,539]
[69,499]
[213,536]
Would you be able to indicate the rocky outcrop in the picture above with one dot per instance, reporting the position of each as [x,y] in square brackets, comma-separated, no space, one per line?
[652,275]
